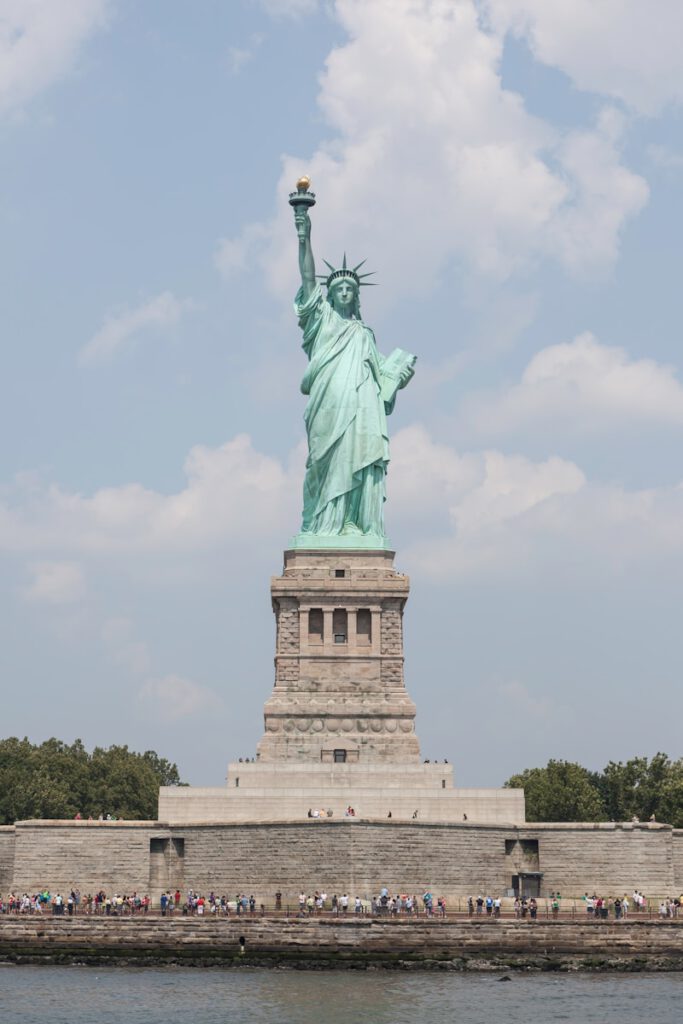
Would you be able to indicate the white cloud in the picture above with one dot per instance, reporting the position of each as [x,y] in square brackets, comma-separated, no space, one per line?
[427,146]
[468,515]
[584,385]
[419,464]
[123,647]
[173,697]
[478,490]
[516,518]
[664,156]
[234,254]
[289,8]
[511,486]
[523,704]
[232,492]
[239,56]
[630,49]
[585,233]
[57,583]
[164,310]
[39,43]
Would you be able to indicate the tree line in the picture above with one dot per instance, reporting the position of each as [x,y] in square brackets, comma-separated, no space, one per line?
[60,780]
[640,788]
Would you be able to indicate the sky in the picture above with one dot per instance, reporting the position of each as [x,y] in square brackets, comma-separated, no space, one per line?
[513,172]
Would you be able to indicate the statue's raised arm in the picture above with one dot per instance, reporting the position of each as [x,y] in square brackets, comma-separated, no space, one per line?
[301,200]
[352,389]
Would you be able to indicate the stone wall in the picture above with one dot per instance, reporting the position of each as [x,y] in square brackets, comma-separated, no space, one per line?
[348,855]
[454,860]
[7,840]
[605,858]
[206,940]
[677,853]
[89,855]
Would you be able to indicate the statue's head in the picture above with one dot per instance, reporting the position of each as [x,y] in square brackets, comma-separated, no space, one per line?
[343,288]
[343,296]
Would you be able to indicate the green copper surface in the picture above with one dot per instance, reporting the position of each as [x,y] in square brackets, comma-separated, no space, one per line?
[351,390]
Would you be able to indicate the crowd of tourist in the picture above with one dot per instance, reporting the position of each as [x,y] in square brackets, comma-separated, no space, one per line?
[381,904]
[45,902]
[192,903]
[601,908]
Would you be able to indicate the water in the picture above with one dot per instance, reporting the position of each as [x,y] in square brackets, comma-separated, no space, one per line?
[77,995]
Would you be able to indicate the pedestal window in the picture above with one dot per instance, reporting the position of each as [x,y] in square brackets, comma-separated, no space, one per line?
[315,626]
[340,625]
[363,627]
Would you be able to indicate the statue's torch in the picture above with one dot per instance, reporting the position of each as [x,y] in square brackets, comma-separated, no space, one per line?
[302,199]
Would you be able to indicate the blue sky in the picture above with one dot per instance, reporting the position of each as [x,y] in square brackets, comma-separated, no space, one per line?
[512,170]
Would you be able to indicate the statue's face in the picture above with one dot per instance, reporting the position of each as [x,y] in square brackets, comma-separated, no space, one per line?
[344,296]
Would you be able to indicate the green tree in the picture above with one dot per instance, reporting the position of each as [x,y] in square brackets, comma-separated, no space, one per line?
[562,791]
[670,808]
[57,780]
[641,788]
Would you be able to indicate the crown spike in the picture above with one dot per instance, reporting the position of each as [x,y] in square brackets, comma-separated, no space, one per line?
[346,271]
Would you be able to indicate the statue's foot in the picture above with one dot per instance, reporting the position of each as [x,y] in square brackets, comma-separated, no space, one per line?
[351,530]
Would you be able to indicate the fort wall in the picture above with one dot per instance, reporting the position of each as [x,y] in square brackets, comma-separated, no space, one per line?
[62,855]
[677,857]
[7,844]
[607,857]
[355,856]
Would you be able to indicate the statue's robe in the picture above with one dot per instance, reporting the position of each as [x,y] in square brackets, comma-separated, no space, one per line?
[346,422]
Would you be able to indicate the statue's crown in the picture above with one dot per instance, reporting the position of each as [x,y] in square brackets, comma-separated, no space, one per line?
[344,271]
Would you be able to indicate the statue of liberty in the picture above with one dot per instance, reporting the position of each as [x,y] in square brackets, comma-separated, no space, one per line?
[351,390]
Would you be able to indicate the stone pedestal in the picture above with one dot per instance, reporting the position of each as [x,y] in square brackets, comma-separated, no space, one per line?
[339,724]
[339,694]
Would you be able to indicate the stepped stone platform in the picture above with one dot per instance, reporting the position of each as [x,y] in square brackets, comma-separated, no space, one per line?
[257,791]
